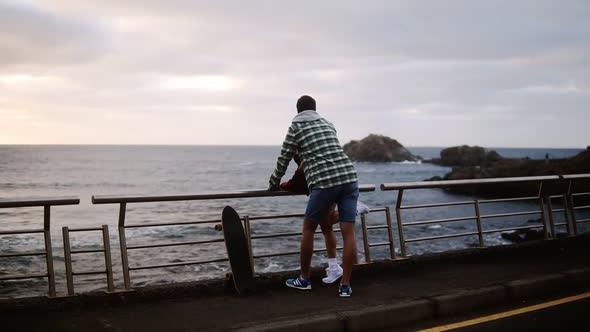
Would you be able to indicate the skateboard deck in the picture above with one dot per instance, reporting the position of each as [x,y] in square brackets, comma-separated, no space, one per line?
[237,251]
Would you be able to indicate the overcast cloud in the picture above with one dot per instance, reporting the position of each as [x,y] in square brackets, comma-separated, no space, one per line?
[428,73]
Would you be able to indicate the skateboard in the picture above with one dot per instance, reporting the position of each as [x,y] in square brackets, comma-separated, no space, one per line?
[237,251]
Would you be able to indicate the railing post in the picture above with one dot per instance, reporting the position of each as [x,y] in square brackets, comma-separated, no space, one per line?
[365,238]
[247,233]
[68,260]
[390,232]
[566,214]
[48,250]
[478,220]
[542,209]
[550,211]
[571,207]
[107,257]
[123,245]
[400,227]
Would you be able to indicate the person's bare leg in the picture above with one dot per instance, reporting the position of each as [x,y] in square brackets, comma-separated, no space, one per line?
[309,228]
[349,253]
[329,238]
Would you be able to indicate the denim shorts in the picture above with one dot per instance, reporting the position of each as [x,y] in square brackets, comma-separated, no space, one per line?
[322,199]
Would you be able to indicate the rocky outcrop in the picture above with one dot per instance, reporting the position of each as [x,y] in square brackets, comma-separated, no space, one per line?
[378,148]
[466,156]
[515,167]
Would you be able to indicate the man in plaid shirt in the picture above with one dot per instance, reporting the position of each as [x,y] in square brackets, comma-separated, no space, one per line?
[331,178]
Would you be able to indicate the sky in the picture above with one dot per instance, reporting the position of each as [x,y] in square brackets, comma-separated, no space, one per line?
[427,73]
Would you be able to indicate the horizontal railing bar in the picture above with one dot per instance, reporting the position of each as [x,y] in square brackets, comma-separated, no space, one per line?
[180,223]
[19,254]
[377,227]
[441,237]
[88,272]
[177,264]
[499,200]
[510,229]
[575,176]
[555,196]
[278,254]
[498,215]
[87,229]
[107,199]
[558,210]
[159,245]
[560,224]
[379,244]
[459,183]
[438,221]
[286,253]
[21,231]
[274,235]
[582,221]
[86,251]
[295,215]
[582,207]
[436,205]
[580,194]
[23,276]
[38,201]
[278,216]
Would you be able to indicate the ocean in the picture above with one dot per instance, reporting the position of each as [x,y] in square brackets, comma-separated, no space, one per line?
[83,171]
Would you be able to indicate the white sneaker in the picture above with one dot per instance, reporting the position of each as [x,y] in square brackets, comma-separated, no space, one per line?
[332,274]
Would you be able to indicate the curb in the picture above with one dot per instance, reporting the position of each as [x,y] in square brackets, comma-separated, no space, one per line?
[395,315]
[578,277]
[545,285]
[465,301]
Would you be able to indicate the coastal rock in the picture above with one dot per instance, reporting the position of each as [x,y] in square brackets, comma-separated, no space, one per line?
[516,167]
[466,156]
[523,235]
[378,148]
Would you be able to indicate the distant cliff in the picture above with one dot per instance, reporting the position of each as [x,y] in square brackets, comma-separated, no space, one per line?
[378,148]
[466,156]
[475,164]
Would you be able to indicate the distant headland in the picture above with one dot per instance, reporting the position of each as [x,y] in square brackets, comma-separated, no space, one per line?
[471,162]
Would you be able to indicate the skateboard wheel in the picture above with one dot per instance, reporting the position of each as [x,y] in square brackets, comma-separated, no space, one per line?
[219,227]
[228,276]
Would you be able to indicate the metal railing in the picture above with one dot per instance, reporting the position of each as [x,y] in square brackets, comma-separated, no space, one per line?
[46,203]
[122,227]
[569,198]
[543,198]
[106,250]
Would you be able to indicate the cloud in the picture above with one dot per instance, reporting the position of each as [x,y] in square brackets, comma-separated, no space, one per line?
[563,88]
[33,36]
[419,71]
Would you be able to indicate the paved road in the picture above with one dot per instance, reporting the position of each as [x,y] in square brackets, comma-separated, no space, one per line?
[569,316]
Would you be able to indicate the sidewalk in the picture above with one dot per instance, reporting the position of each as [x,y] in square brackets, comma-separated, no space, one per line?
[384,294]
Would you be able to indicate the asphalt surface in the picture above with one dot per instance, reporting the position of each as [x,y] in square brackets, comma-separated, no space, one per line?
[374,284]
[571,316]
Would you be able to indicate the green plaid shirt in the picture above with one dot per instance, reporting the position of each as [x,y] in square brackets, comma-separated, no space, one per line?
[324,163]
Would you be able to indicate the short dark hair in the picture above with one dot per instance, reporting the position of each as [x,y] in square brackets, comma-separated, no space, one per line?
[305,103]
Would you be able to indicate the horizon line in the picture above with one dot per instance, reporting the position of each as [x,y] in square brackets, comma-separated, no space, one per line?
[278,145]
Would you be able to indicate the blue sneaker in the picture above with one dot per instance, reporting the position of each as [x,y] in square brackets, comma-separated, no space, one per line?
[299,283]
[344,290]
